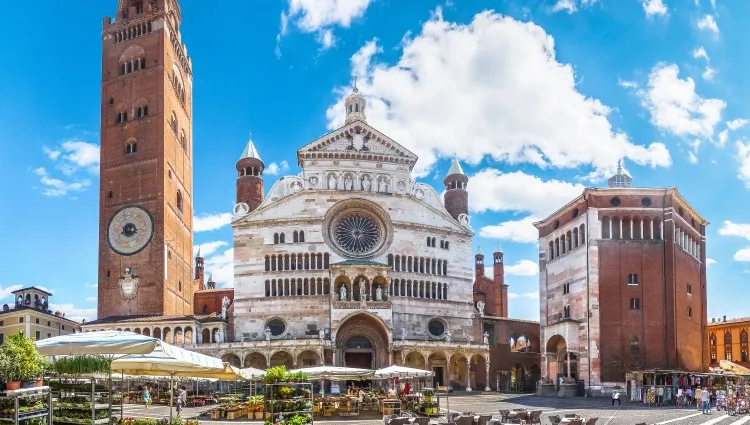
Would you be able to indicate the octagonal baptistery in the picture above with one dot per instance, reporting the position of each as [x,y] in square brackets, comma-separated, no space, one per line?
[351,257]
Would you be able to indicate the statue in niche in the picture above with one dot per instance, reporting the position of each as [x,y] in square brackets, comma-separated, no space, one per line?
[362,291]
[321,333]
[447,336]
[480,307]
[332,182]
[342,293]
[366,183]
[379,294]
[348,182]
[267,332]
[383,186]
[486,338]
[219,336]
[403,334]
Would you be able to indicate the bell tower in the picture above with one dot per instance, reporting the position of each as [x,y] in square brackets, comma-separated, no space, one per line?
[249,179]
[146,174]
[456,196]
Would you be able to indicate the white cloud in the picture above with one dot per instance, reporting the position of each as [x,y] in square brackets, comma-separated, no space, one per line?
[208,222]
[743,157]
[654,7]
[221,266]
[730,228]
[675,106]
[628,84]
[700,53]
[571,6]
[708,23]
[723,137]
[91,299]
[74,313]
[524,295]
[742,255]
[318,16]
[710,262]
[6,292]
[523,268]
[93,285]
[208,248]
[738,123]
[44,288]
[491,190]
[709,73]
[56,187]
[274,168]
[509,97]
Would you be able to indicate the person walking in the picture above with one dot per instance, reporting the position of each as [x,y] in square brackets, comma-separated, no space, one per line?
[698,400]
[705,397]
[146,396]
[616,396]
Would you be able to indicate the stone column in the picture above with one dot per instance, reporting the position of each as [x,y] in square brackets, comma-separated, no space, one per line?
[567,360]
[610,227]
[198,339]
[487,375]
[631,229]
[468,375]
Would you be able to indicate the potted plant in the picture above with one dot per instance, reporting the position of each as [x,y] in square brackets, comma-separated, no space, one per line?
[20,362]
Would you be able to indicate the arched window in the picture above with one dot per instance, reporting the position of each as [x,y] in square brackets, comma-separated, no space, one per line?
[179,200]
[275,238]
[433,243]
[301,235]
[173,122]
[428,241]
[109,195]
[183,139]
[635,345]
[295,236]
[566,312]
[728,345]
[142,111]
[131,148]
[281,238]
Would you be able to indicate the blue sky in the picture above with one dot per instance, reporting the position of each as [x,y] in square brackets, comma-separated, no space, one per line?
[538,99]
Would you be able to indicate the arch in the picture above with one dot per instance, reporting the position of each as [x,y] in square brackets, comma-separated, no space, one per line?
[606,224]
[206,336]
[555,343]
[616,227]
[178,335]
[415,359]
[582,234]
[281,239]
[365,325]
[157,334]
[360,288]
[167,335]
[301,235]
[134,51]
[345,282]
[308,358]
[275,238]
[256,360]
[173,123]
[146,332]
[282,358]
[295,236]
[187,336]
[232,359]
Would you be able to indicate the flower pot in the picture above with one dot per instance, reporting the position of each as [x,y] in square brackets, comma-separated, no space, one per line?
[28,384]
[13,385]
[39,383]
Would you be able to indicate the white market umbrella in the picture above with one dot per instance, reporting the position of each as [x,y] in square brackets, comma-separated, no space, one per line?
[97,343]
[401,372]
[333,373]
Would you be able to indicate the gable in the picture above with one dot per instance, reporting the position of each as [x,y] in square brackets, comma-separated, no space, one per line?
[357,140]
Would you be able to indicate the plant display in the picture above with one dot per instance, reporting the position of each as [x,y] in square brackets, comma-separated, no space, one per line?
[83,403]
[288,403]
[19,360]
[82,365]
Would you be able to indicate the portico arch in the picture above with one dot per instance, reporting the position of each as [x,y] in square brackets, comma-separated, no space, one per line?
[362,339]
[282,358]
[561,363]
[232,359]
[415,359]
[256,360]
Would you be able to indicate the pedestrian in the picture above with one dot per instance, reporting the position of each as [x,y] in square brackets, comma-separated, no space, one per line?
[706,408]
[698,400]
[146,396]
[616,396]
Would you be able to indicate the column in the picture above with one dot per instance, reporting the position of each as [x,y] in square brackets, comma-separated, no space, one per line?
[567,360]
[610,228]
[621,229]
[661,230]
[642,235]
[198,337]
[487,375]
[652,229]
[468,375]
[632,236]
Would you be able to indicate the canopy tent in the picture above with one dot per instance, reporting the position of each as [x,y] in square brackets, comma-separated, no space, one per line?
[334,372]
[167,360]
[401,372]
[729,366]
[98,342]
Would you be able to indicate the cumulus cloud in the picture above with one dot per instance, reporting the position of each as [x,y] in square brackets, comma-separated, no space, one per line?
[709,73]
[571,6]
[482,69]
[654,7]
[74,155]
[5,292]
[209,222]
[274,168]
[524,295]
[738,123]
[700,53]
[519,193]
[743,157]
[320,16]
[51,186]
[74,313]
[675,106]
[221,266]
[523,268]
[742,255]
[708,23]
[710,262]
[208,248]
[730,228]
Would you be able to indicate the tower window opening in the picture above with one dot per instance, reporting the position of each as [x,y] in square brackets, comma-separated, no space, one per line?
[179,200]
[109,195]
[131,148]
[173,122]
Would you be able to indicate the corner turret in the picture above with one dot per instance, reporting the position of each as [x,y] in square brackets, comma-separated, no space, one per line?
[355,106]
[456,198]
[249,178]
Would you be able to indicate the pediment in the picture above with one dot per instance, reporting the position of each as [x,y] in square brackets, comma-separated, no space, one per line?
[357,140]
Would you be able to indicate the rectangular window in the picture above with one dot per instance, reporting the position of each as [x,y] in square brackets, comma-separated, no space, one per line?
[690,312]
[2,323]
[20,319]
[689,289]
[49,335]
[632,279]
[566,288]
[38,335]
[729,356]
[635,304]
[49,323]
[63,327]
[37,320]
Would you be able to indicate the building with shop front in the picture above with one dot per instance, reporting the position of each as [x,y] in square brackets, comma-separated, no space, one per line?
[31,314]
[622,284]
[727,340]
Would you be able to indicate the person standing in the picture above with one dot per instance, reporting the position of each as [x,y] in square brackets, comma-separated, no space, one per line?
[146,396]
[616,396]
[705,397]
[698,400]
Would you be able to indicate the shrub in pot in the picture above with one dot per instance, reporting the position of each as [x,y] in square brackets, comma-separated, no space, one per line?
[20,362]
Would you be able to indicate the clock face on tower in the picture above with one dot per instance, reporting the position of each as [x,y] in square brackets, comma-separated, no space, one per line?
[130,230]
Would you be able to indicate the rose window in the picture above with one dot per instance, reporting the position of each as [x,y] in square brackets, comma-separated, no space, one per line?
[357,234]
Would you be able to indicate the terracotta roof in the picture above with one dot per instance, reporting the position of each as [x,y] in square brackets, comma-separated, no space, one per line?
[720,322]
[47,313]
[147,318]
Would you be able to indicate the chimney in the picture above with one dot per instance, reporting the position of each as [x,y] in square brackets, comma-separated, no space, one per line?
[713,320]
[725,317]
[6,307]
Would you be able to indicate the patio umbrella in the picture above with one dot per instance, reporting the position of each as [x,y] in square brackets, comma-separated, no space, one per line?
[333,373]
[98,342]
[401,372]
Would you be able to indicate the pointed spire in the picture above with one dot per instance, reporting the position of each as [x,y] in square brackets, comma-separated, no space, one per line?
[479,251]
[455,168]
[497,247]
[355,89]
[199,253]
[210,277]
[250,150]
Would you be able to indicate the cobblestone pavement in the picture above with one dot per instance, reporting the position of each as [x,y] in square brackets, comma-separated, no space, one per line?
[491,403]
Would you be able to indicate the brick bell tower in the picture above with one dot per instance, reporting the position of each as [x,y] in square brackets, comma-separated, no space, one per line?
[498,272]
[146,176]
[456,196]
[250,178]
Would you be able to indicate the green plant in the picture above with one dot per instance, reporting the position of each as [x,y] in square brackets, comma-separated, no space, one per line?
[19,360]
[285,391]
[276,374]
[82,365]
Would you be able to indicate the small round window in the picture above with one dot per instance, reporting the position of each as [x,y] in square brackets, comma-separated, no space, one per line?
[575,213]
[557,224]
[276,326]
[615,201]
[436,328]
[646,202]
